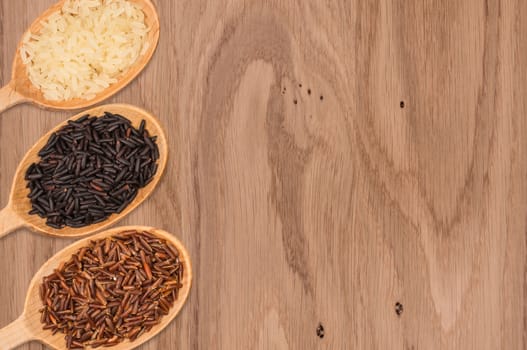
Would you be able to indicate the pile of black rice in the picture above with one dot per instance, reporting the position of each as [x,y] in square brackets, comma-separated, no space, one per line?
[91,168]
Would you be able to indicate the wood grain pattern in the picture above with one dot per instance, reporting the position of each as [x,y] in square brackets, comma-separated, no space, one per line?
[325,211]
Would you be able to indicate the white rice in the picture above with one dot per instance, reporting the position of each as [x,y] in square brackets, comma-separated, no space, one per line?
[82,49]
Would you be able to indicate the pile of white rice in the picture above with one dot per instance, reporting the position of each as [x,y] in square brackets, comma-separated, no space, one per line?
[83,48]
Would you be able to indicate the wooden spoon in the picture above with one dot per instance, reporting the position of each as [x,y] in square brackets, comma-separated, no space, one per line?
[28,327]
[15,214]
[20,89]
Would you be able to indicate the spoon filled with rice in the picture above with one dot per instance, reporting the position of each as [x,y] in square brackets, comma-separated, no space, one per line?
[80,52]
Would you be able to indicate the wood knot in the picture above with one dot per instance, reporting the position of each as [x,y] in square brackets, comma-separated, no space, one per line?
[399,308]
[320,331]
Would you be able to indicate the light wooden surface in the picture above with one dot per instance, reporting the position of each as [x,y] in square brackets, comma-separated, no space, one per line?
[28,325]
[325,211]
[15,214]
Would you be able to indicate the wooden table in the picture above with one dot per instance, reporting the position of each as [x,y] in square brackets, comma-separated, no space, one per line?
[306,192]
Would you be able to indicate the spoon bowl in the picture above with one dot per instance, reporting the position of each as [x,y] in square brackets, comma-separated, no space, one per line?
[20,89]
[28,327]
[15,214]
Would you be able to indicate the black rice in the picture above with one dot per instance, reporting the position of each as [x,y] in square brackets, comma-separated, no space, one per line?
[103,161]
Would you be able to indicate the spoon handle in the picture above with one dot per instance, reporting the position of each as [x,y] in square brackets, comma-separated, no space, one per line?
[9,221]
[9,97]
[14,334]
